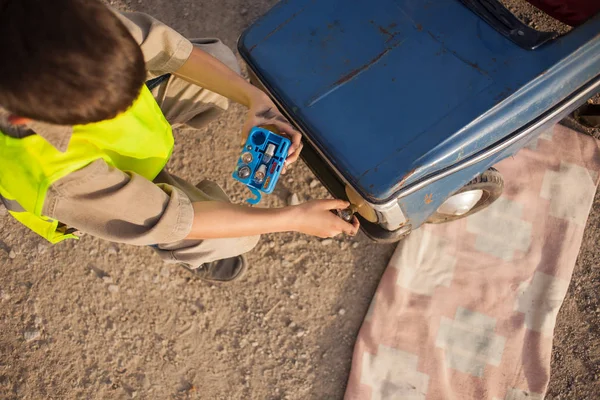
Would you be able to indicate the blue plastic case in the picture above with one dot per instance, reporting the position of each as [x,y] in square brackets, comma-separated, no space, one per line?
[261,162]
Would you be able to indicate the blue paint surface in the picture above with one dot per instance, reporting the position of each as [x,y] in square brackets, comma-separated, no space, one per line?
[391,91]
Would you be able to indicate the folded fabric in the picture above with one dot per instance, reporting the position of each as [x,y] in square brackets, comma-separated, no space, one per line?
[466,310]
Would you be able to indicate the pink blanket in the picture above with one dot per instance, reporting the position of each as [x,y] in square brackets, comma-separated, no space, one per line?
[467,310]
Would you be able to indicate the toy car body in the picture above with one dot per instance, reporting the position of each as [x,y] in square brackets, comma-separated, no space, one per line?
[405,105]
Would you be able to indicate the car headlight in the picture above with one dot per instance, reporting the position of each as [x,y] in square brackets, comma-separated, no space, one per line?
[362,207]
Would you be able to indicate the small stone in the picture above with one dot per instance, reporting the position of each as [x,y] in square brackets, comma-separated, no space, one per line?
[31,335]
[355,245]
[271,245]
[300,333]
[113,288]
[293,200]
[342,311]
[244,11]
[12,255]
[254,344]
[112,250]
[314,183]
[327,242]
[292,324]
[107,279]
[41,249]
[290,180]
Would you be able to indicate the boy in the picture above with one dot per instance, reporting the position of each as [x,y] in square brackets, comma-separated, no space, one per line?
[87,100]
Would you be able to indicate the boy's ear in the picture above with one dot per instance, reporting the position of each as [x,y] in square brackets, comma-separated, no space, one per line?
[16,120]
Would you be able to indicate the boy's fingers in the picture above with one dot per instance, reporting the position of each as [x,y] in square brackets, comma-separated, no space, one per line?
[293,157]
[245,133]
[335,204]
[356,225]
[296,139]
[292,134]
[349,228]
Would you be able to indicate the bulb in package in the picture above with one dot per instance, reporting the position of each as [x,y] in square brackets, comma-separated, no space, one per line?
[261,162]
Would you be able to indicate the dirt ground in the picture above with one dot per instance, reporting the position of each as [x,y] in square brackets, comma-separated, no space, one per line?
[94,320]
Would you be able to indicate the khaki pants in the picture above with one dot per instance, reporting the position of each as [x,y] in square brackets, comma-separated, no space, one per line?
[184,103]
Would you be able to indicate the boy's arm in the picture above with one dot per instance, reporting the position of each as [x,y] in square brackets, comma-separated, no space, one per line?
[223,220]
[206,71]
[108,203]
[167,52]
[124,207]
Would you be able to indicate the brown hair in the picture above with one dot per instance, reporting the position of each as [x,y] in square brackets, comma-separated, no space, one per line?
[67,62]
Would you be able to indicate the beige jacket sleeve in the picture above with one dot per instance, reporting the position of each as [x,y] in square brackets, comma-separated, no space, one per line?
[121,207]
[165,50]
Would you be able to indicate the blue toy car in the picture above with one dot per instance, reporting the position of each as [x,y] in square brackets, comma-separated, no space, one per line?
[405,105]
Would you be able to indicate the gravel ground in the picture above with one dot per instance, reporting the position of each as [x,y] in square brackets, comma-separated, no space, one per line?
[94,320]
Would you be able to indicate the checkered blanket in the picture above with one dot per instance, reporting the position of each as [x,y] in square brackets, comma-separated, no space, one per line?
[467,310]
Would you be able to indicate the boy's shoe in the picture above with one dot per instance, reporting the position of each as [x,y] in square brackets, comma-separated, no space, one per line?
[225,270]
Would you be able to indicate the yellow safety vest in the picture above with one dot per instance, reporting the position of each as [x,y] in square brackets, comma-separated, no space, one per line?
[139,140]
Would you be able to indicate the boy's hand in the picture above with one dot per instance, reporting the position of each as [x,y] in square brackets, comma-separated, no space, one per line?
[315,218]
[206,71]
[263,112]
[217,220]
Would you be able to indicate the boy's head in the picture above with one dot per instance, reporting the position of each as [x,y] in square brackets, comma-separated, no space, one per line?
[66,62]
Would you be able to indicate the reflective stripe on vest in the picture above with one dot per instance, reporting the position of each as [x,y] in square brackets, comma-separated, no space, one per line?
[139,140]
